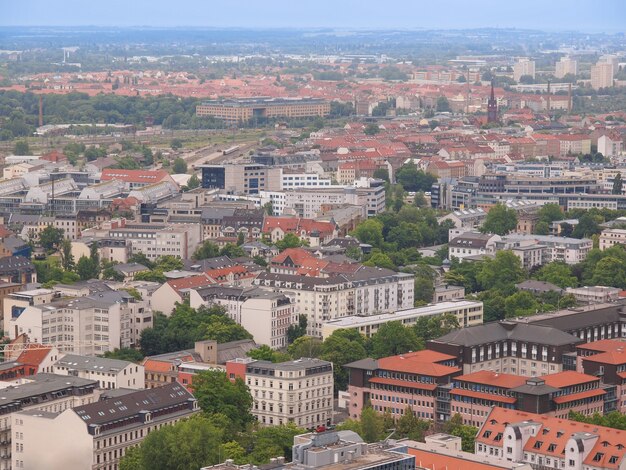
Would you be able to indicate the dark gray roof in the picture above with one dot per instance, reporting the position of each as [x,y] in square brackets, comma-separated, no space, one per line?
[132,404]
[298,364]
[130,268]
[539,389]
[11,264]
[42,385]
[206,264]
[499,331]
[91,363]
[365,364]
[579,317]
[471,240]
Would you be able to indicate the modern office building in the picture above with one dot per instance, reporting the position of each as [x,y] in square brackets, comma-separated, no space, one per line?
[246,109]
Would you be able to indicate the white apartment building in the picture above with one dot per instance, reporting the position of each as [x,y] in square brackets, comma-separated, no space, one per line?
[523,66]
[38,394]
[87,325]
[564,249]
[467,244]
[308,203]
[369,291]
[302,180]
[265,314]
[594,294]
[467,313]
[109,373]
[610,146]
[154,240]
[299,392]
[566,66]
[612,236]
[97,435]
[602,75]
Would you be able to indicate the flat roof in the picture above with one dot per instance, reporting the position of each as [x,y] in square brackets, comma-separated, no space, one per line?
[427,310]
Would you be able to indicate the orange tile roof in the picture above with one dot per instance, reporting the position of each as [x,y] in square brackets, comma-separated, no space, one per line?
[578,396]
[496,379]
[34,357]
[568,378]
[437,461]
[190,282]
[152,365]
[420,362]
[611,442]
[482,395]
[403,383]
[610,357]
[604,345]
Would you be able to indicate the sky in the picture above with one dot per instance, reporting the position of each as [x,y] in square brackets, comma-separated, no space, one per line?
[551,15]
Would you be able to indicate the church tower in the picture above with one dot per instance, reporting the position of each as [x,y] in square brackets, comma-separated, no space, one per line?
[492,107]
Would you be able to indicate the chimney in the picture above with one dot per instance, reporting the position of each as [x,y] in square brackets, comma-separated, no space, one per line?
[40,110]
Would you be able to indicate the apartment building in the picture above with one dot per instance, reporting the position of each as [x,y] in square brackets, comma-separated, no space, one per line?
[467,313]
[602,75]
[471,244]
[308,203]
[299,392]
[547,248]
[87,325]
[367,291]
[96,435]
[612,236]
[265,314]
[155,240]
[523,66]
[109,373]
[565,66]
[549,442]
[39,393]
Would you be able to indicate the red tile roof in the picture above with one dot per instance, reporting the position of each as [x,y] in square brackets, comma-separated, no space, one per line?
[421,362]
[191,282]
[604,345]
[32,356]
[152,365]
[568,378]
[578,396]
[437,461]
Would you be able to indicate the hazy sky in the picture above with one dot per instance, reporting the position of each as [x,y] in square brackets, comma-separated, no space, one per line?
[581,15]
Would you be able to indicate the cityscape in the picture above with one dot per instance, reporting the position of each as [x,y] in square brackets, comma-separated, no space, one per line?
[277,236]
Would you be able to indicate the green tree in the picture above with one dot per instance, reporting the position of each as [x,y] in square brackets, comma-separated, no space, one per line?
[217,394]
[370,232]
[432,327]
[542,228]
[520,304]
[393,338]
[467,433]
[610,272]
[443,105]
[125,354]
[176,144]
[142,259]
[588,225]
[87,268]
[381,174]
[67,259]
[232,251]
[167,263]
[424,289]
[371,425]
[305,346]
[194,182]
[380,260]
[265,353]
[179,167]
[150,276]
[371,129]
[207,250]
[290,240]
[550,213]
[617,184]
[21,148]
[50,238]
[501,273]
[500,220]
[188,445]
[340,348]
[557,273]
[299,329]
[412,179]
[410,426]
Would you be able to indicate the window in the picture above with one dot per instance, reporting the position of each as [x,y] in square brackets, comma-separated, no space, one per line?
[538,445]
[598,456]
